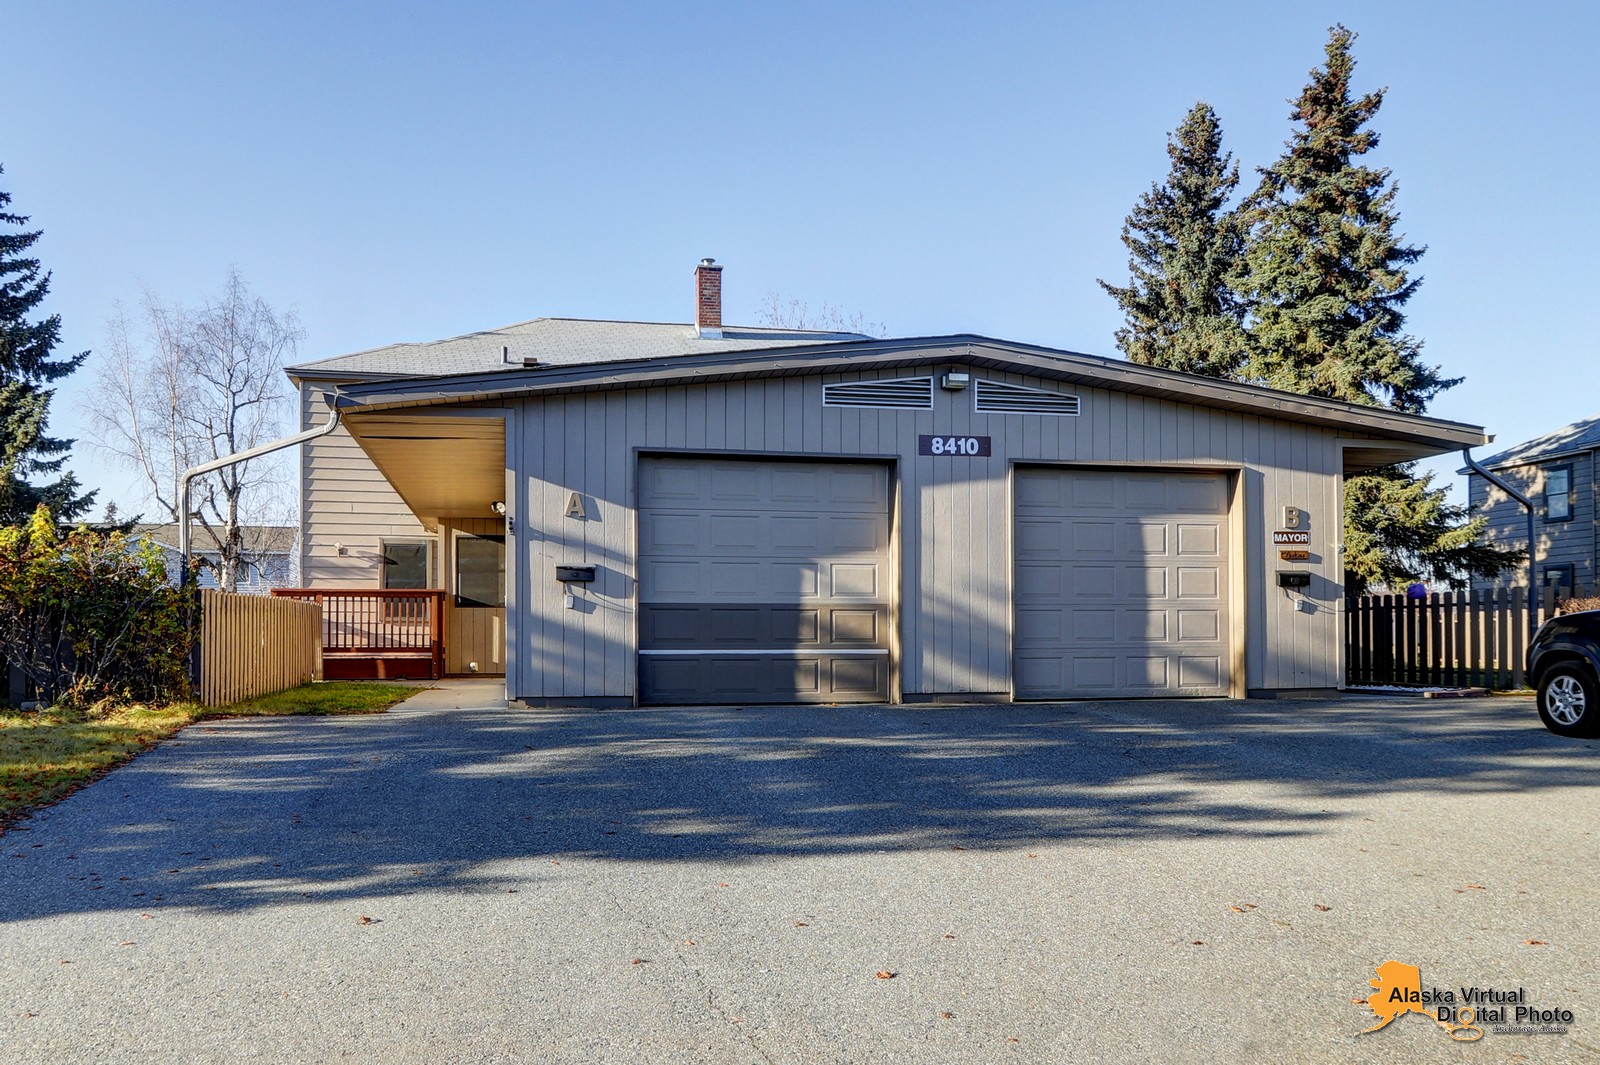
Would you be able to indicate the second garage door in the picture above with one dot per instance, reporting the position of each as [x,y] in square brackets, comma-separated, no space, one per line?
[763,581]
[1121,584]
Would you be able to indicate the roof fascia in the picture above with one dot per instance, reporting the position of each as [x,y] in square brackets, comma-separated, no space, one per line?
[1089,370]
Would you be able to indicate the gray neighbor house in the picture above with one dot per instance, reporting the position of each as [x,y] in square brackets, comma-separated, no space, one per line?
[632,513]
[1556,472]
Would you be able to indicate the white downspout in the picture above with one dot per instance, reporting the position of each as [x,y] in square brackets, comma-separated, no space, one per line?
[186,480]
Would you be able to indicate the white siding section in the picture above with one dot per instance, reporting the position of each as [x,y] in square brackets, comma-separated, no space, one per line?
[955,517]
[344,500]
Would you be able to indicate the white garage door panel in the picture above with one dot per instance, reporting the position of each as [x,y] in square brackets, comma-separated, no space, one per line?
[1121,584]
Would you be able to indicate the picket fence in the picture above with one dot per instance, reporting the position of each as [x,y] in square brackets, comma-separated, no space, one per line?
[1457,639]
[254,645]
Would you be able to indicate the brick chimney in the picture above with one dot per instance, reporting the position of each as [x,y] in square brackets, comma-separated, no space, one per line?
[708,299]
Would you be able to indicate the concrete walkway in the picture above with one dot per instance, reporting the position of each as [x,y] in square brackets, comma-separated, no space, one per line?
[1126,882]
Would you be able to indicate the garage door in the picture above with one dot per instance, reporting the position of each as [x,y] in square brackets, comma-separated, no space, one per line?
[1121,584]
[763,581]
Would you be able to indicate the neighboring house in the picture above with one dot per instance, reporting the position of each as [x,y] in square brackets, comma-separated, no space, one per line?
[628,512]
[1556,472]
[269,555]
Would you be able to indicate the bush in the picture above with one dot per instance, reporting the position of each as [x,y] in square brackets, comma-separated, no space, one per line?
[90,618]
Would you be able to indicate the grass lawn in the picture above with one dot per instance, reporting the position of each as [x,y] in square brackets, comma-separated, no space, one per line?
[45,757]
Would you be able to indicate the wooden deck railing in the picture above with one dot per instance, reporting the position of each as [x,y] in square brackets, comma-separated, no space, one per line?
[372,633]
[251,645]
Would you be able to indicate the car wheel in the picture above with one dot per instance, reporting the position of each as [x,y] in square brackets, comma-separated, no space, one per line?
[1569,702]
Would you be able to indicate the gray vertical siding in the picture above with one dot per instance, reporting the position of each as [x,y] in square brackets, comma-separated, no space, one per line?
[1574,543]
[954,517]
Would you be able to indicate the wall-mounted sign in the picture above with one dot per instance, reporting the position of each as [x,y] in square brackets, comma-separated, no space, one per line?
[953,445]
[1295,556]
[1286,537]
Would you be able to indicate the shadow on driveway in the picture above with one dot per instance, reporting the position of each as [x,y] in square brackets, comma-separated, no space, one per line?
[241,814]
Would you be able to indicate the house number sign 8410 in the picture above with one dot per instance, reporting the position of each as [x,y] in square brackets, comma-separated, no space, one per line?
[953,445]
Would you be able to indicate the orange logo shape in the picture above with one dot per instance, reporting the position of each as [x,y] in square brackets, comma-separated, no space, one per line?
[1399,991]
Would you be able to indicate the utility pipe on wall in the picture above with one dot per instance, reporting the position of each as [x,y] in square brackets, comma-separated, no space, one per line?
[1527,506]
[186,480]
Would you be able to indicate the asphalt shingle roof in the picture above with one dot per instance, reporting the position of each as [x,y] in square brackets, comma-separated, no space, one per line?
[1579,436]
[560,342]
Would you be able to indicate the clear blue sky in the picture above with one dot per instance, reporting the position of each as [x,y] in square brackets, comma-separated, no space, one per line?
[411,171]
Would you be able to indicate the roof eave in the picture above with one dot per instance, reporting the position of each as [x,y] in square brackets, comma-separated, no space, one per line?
[1072,367]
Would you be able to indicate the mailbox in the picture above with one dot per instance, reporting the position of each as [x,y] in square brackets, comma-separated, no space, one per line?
[575,574]
[1293,579]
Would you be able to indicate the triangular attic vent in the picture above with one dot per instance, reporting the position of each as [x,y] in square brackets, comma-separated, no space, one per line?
[910,393]
[997,397]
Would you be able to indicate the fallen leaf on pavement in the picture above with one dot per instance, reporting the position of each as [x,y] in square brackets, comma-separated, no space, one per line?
[801,924]
[946,1015]
[885,974]
[1321,908]
[363,919]
[1534,943]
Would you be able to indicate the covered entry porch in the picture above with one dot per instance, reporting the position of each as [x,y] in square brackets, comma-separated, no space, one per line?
[440,605]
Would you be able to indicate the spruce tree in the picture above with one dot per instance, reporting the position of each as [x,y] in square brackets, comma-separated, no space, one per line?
[1184,246]
[1326,280]
[1327,267]
[26,367]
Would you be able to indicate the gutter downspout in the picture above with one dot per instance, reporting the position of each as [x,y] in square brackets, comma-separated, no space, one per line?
[186,479]
[1527,505]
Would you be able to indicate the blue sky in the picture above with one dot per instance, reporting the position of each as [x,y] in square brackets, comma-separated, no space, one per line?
[409,172]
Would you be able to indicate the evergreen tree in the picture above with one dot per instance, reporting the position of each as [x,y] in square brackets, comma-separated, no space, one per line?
[1326,278]
[1326,266]
[1398,528]
[1184,246]
[26,367]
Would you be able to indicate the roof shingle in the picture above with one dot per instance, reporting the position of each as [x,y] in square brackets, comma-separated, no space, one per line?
[559,342]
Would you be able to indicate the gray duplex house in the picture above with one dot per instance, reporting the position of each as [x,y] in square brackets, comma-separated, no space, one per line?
[625,513]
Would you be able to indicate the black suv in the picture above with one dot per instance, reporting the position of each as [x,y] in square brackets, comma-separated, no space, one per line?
[1564,666]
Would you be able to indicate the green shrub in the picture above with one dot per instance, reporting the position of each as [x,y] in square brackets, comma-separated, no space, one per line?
[90,618]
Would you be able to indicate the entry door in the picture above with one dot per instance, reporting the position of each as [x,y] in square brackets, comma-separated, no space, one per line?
[1121,584]
[763,581]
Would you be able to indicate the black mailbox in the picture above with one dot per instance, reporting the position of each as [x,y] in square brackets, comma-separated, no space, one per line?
[575,574]
[1292,579]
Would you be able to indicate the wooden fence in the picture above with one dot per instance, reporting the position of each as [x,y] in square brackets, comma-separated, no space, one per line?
[368,633]
[1455,639]
[251,645]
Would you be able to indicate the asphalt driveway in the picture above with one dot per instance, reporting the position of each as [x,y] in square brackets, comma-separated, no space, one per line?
[1138,881]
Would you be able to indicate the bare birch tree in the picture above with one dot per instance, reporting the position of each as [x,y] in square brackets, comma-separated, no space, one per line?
[792,313]
[182,386]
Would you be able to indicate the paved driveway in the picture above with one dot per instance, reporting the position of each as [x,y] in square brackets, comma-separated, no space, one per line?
[1183,881]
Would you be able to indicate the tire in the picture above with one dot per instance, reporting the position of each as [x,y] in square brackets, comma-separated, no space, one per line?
[1569,700]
